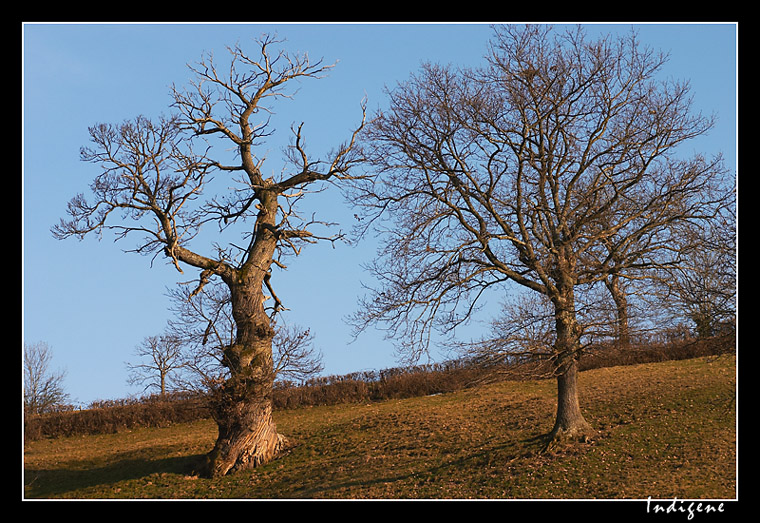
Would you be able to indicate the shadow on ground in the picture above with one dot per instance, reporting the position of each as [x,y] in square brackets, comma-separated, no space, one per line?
[48,483]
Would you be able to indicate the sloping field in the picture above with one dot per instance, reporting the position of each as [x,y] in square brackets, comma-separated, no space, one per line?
[665,430]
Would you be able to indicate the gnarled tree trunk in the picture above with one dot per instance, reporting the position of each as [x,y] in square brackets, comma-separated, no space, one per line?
[247,434]
[242,407]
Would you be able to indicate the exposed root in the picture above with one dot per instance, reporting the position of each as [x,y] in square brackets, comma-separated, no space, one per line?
[241,453]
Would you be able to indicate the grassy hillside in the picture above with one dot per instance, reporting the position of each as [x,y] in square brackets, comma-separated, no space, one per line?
[666,430]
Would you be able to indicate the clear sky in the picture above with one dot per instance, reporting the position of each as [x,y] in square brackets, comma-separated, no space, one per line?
[92,303]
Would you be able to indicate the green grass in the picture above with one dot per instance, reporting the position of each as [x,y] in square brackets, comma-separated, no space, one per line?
[665,430]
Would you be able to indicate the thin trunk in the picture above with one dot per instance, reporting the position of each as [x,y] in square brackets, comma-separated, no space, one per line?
[569,422]
[623,334]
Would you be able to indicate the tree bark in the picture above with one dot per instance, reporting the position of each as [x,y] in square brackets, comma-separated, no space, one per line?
[622,331]
[569,421]
[247,435]
[242,407]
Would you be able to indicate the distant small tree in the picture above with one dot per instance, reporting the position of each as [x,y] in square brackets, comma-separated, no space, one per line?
[160,362]
[295,356]
[43,388]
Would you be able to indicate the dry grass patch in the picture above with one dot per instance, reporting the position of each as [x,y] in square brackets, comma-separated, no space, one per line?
[665,430]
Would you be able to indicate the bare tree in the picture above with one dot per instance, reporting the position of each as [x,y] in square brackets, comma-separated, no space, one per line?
[203,321]
[161,362]
[205,325]
[536,170]
[153,175]
[702,289]
[521,338]
[296,357]
[43,387]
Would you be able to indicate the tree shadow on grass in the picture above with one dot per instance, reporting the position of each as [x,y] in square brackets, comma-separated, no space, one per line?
[483,455]
[50,483]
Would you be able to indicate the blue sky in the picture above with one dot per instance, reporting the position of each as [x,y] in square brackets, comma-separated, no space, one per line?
[93,304]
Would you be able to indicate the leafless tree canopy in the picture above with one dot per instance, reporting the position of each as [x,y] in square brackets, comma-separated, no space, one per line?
[156,175]
[159,364]
[165,181]
[557,166]
[43,386]
[702,291]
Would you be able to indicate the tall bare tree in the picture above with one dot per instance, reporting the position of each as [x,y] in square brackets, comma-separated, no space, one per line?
[536,170]
[158,177]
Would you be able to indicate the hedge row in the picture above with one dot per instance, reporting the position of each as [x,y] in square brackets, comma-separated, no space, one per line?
[113,416]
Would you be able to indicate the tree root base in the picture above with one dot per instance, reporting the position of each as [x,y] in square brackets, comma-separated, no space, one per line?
[215,467]
[559,437]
